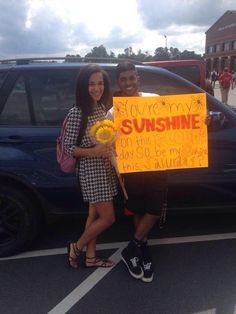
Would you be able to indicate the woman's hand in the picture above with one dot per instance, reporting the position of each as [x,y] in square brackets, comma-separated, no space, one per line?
[102,150]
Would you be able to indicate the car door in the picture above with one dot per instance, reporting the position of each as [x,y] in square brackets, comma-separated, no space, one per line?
[30,122]
[211,188]
[202,188]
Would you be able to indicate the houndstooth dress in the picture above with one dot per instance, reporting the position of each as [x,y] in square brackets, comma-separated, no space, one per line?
[96,174]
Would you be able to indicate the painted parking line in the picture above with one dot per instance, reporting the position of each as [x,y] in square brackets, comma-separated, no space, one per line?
[213,311]
[77,294]
[118,245]
[210,311]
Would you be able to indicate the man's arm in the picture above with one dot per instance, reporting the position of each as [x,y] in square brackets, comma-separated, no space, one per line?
[110,114]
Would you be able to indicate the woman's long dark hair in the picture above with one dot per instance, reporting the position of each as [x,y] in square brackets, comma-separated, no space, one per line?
[83,99]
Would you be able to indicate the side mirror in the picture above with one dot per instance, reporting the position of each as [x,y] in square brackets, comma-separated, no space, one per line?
[217,119]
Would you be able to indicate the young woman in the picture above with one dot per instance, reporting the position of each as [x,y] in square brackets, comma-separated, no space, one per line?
[94,170]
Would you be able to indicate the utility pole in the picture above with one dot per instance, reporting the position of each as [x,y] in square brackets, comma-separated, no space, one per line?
[165,42]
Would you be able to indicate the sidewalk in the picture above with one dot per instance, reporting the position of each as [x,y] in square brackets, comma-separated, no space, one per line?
[232,95]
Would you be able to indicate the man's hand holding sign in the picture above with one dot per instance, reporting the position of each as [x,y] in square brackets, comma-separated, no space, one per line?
[161,132]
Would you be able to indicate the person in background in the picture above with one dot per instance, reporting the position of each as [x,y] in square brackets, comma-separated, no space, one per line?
[146,191]
[209,89]
[94,171]
[225,80]
[213,78]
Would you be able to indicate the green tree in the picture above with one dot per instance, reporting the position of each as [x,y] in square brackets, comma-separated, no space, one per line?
[141,57]
[112,55]
[174,53]
[189,55]
[128,54]
[161,54]
[99,52]
[73,58]
[148,56]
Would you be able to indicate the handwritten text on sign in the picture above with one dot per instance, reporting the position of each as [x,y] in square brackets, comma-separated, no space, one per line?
[161,132]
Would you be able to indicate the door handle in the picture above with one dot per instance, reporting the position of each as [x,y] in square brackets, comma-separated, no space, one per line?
[11,139]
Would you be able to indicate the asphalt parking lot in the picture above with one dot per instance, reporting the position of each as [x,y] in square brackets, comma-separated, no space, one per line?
[195,274]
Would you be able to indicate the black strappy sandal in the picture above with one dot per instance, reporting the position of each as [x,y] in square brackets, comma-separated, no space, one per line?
[73,261]
[94,261]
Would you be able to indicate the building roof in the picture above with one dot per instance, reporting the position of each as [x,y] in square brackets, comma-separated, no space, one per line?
[226,21]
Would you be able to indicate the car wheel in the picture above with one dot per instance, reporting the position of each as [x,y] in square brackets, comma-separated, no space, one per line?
[18,221]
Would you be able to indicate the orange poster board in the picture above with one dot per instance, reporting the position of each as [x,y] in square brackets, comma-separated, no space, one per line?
[161,132]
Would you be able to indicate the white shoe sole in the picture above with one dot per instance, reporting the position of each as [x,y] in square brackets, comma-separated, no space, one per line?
[150,279]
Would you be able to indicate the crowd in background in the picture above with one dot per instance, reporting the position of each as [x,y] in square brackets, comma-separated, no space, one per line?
[214,76]
[227,81]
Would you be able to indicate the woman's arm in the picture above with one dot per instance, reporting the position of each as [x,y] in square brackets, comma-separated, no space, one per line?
[72,131]
[99,150]
[70,141]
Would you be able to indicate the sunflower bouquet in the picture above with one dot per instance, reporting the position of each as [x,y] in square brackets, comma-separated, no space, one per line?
[105,132]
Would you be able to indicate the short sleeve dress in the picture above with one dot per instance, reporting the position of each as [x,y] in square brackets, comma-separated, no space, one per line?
[96,174]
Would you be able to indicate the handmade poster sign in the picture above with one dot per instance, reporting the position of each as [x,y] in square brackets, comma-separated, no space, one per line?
[161,132]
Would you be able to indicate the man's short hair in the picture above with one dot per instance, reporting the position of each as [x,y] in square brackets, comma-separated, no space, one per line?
[123,67]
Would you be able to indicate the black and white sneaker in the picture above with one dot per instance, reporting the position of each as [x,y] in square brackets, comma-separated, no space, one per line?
[147,271]
[146,263]
[132,262]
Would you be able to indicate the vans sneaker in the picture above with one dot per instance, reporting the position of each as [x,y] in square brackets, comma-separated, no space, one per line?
[147,271]
[146,263]
[132,262]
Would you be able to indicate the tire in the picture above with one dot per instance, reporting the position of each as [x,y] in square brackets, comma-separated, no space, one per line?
[19,220]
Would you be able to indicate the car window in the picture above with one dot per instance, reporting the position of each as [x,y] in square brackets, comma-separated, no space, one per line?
[156,82]
[189,72]
[163,84]
[16,110]
[52,94]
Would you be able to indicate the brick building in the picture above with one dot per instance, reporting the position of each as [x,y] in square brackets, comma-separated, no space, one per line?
[221,43]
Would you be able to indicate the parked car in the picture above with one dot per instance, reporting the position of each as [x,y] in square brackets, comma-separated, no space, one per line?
[34,99]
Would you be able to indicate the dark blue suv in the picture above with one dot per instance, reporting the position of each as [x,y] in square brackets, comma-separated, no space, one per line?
[34,99]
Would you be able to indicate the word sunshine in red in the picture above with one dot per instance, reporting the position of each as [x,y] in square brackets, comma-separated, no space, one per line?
[189,121]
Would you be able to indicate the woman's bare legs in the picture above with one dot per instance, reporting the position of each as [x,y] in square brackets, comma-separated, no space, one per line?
[105,218]
[91,245]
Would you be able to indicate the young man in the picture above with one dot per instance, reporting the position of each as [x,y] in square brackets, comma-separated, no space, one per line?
[146,191]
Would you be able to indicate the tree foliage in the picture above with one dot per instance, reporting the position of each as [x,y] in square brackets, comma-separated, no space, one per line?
[161,54]
[99,53]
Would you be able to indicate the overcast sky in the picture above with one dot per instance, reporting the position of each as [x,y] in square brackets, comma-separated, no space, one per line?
[60,27]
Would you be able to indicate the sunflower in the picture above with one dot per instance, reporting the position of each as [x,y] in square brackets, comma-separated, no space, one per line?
[94,128]
[108,123]
[104,135]
[103,131]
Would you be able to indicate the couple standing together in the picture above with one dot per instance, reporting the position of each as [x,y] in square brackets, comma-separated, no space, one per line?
[97,177]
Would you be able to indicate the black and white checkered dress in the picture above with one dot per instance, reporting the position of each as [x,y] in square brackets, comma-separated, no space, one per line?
[96,174]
